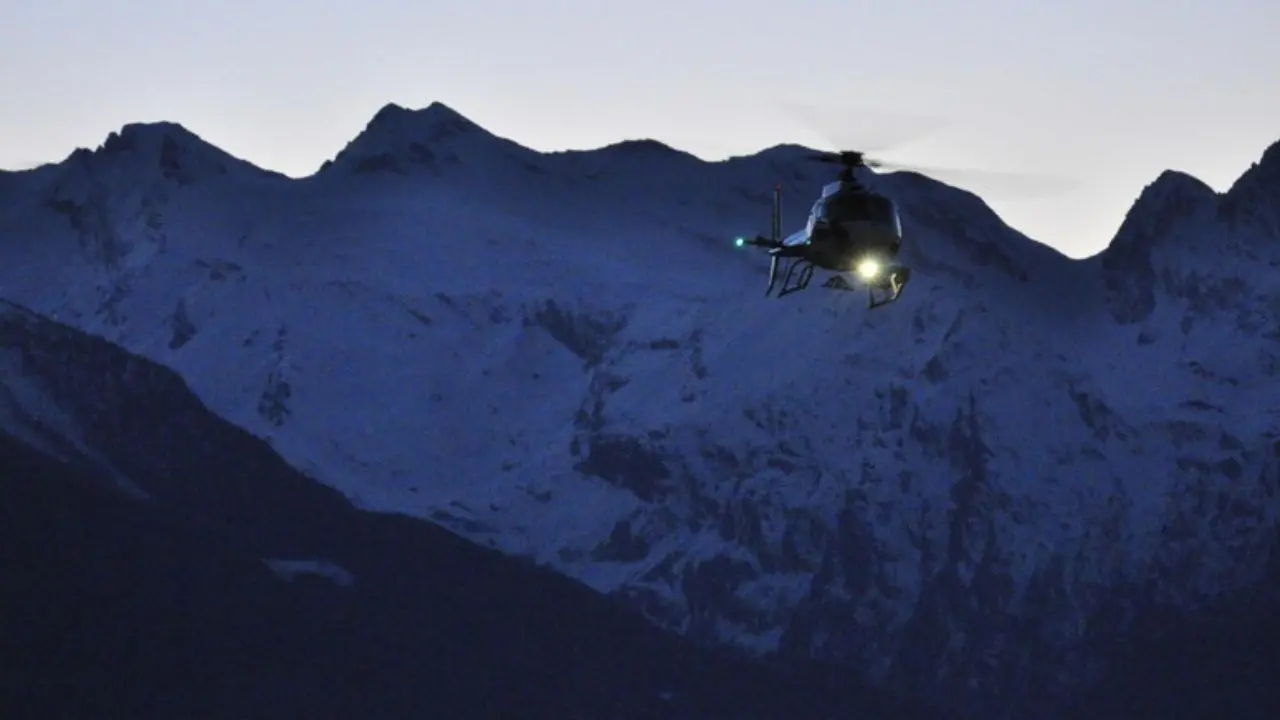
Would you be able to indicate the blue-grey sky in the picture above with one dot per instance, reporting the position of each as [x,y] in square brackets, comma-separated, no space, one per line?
[1109,91]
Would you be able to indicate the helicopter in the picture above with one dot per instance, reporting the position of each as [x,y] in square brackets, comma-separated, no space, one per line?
[851,230]
[855,232]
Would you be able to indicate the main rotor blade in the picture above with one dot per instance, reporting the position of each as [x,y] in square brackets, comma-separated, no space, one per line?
[989,180]
[870,130]
[874,131]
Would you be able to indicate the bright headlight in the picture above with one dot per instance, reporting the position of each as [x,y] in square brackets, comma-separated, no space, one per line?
[868,269]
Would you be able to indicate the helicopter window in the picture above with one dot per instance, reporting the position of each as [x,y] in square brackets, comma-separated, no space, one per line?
[886,211]
[846,206]
[819,208]
[881,209]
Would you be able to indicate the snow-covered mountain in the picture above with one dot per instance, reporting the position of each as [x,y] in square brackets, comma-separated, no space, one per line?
[984,492]
[159,562]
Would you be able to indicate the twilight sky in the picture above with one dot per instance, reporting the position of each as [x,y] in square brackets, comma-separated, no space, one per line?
[1109,92]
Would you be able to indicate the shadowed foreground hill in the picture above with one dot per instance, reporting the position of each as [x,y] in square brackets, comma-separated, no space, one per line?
[117,606]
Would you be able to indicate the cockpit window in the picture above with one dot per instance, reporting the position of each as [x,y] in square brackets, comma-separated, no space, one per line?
[847,206]
[881,209]
[854,206]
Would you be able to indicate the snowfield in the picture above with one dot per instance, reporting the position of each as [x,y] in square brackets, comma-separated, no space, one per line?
[563,356]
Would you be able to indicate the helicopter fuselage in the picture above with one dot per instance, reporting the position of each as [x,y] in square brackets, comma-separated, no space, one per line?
[840,248]
[847,226]
[850,231]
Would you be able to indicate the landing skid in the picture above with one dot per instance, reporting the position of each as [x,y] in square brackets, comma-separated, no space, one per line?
[802,280]
[892,289]
[895,279]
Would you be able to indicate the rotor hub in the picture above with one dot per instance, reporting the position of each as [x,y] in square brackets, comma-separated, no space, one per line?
[849,160]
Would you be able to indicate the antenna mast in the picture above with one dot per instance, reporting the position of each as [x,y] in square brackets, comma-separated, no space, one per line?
[777,213]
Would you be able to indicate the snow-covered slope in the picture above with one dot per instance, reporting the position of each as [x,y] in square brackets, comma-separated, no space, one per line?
[150,543]
[559,355]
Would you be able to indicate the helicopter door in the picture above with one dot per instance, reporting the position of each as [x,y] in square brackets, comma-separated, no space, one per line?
[816,214]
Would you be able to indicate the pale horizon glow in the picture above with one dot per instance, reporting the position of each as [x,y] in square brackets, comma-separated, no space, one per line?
[1108,93]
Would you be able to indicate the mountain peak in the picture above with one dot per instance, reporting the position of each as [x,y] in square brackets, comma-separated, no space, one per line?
[163,142]
[1254,200]
[397,138]
[136,132]
[1174,186]
[1161,207]
[436,118]
[1270,158]
[645,148]
[180,155]
[1167,233]
[140,149]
